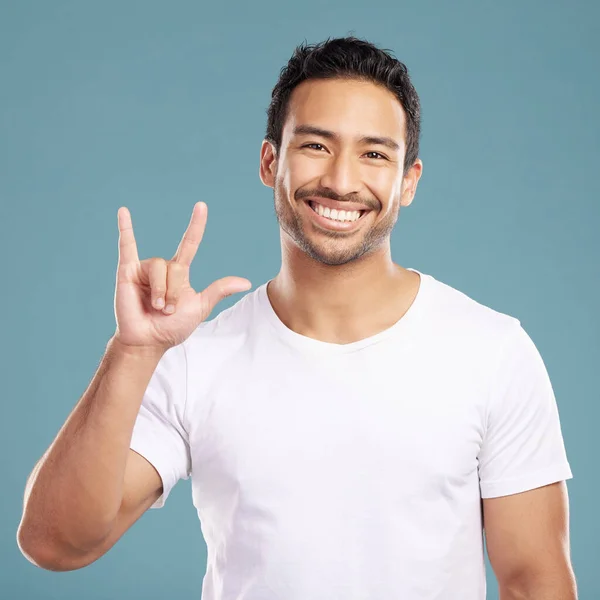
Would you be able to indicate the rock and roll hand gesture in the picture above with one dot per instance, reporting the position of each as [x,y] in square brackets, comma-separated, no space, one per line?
[155,305]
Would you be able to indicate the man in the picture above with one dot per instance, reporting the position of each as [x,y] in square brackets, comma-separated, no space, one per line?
[351,426]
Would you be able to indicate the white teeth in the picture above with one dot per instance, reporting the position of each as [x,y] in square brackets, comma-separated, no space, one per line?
[334,214]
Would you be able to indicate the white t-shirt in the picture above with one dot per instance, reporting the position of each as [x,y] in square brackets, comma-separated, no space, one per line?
[354,471]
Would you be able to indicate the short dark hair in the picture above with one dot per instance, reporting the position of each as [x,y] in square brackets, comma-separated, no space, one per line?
[348,58]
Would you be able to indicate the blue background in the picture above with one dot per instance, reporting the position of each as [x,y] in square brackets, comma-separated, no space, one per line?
[156,105]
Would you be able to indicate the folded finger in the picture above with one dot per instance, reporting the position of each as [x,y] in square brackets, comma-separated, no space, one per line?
[176,274]
[157,275]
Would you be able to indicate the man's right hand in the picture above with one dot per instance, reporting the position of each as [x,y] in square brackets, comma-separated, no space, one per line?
[145,290]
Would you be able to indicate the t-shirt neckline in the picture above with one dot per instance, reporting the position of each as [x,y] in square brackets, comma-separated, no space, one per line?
[297,340]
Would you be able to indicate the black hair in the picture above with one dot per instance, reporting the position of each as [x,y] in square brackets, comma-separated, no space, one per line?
[348,58]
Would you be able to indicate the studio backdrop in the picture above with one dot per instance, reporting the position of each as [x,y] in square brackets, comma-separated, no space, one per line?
[157,105]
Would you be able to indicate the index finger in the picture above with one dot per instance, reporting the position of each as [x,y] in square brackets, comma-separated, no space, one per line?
[127,247]
[193,235]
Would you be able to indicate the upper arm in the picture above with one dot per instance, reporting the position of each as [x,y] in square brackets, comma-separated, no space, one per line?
[159,432]
[142,486]
[159,451]
[527,535]
[522,468]
[523,446]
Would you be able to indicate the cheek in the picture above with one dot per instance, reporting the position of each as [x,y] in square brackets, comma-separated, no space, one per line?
[385,185]
[302,169]
[385,180]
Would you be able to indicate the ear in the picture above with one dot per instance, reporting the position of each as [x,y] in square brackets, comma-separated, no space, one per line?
[268,164]
[409,183]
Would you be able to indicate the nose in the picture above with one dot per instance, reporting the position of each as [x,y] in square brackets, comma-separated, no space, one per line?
[342,175]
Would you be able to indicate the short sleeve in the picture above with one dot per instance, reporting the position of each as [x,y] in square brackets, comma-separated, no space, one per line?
[159,434]
[522,447]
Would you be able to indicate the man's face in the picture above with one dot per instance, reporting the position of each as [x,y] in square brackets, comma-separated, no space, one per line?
[342,149]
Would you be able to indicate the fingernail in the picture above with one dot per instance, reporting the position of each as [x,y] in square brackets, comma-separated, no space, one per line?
[170,308]
[159,303]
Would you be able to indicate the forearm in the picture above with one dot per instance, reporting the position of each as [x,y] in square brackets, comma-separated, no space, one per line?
[74,494]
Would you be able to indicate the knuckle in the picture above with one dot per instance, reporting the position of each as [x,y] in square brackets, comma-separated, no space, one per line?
[175,267]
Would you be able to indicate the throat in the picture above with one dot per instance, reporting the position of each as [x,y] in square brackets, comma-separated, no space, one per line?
[308,313]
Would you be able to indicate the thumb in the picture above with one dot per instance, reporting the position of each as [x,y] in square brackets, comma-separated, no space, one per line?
[220,289]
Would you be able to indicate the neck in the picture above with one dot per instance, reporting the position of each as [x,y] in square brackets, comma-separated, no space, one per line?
[341,304]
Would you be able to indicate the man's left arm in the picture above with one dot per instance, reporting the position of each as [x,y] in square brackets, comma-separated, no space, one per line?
[523,468]
[527,538]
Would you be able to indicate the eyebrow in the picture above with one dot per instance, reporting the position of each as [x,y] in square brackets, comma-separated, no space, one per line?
[330,135]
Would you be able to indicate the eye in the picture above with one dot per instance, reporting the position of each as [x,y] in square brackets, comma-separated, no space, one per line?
[378,155]
[320,147]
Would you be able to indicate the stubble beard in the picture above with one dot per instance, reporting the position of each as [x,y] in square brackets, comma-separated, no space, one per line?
[338,248]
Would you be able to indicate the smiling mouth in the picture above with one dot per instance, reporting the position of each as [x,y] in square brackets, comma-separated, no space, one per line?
[338,216]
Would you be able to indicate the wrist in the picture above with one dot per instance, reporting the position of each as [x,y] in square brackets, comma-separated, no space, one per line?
[135,351]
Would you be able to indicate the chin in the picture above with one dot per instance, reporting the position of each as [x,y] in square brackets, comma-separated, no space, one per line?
[332,257]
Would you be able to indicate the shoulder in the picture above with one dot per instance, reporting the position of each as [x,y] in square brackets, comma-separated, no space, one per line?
[454,315]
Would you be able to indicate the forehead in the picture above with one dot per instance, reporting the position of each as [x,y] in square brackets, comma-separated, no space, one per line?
[347,107]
